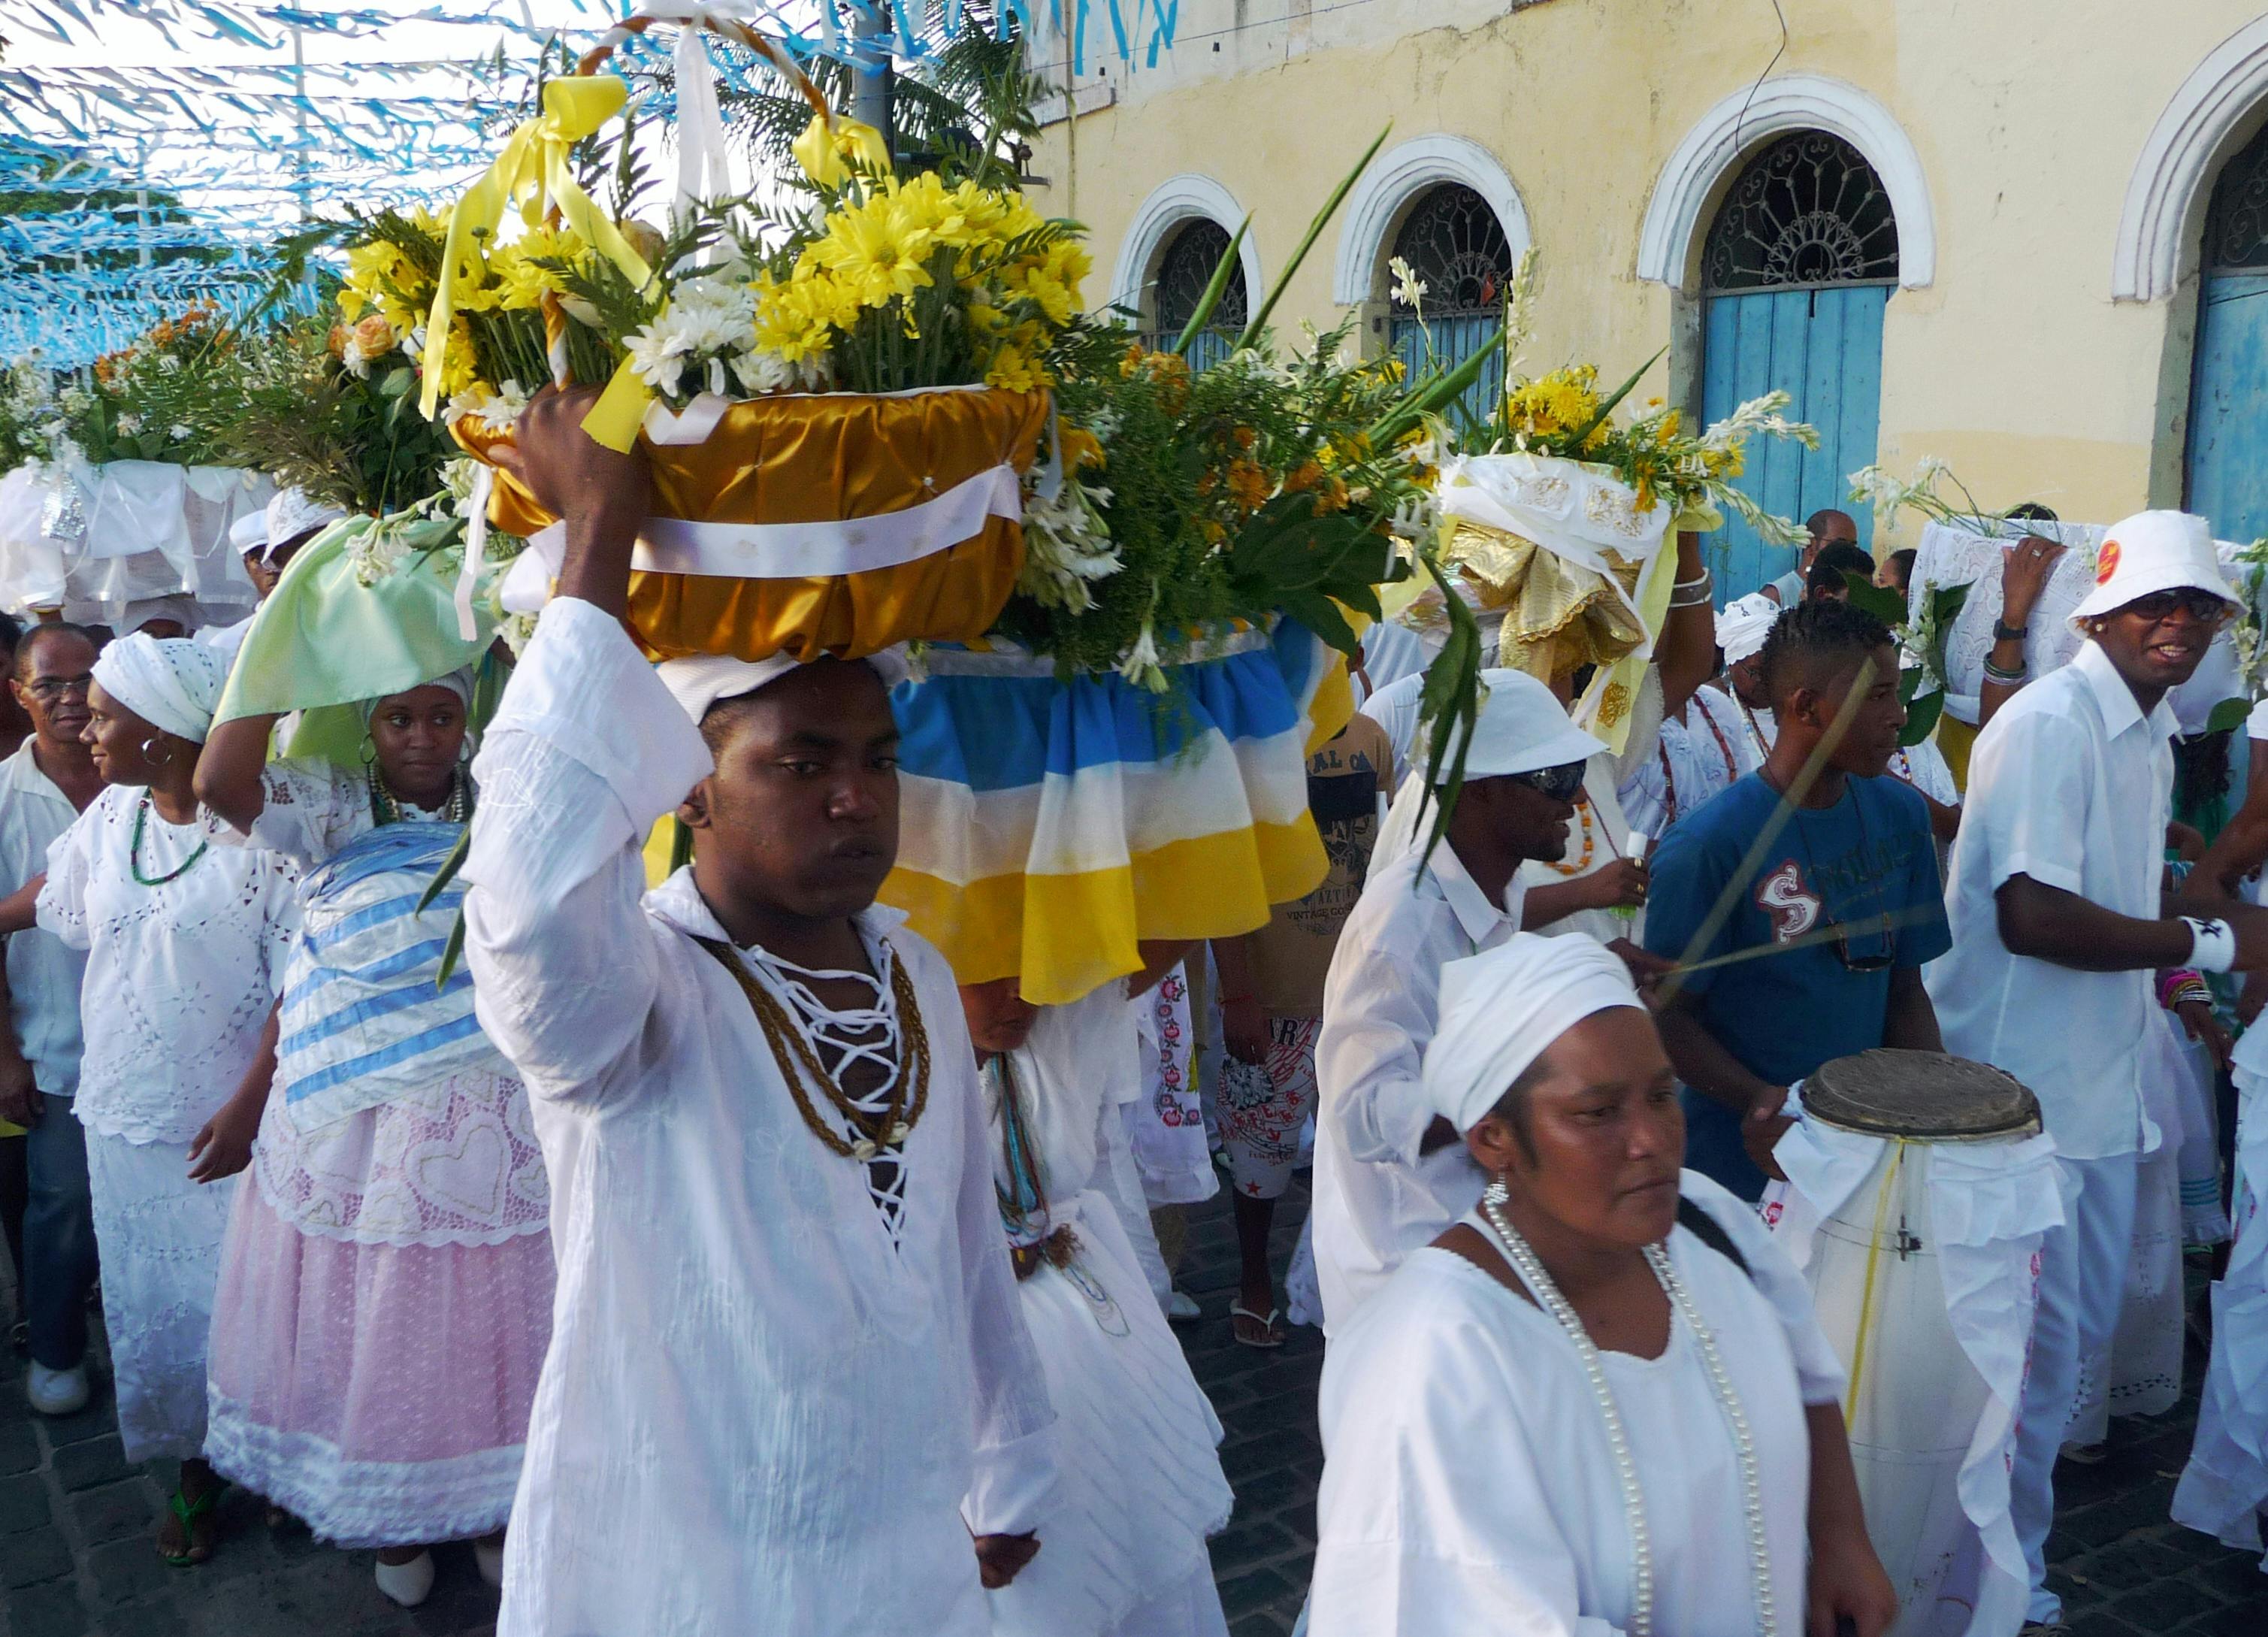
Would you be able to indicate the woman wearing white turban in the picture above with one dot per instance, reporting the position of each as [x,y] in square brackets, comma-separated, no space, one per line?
[1600,1404]
[385,1289]
[182,941]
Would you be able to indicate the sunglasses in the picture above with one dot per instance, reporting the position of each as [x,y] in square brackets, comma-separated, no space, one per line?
[1878,926]
[1560,783]
[2201,605]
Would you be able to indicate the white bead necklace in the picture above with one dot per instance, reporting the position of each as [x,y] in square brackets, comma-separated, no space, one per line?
[1530,1268]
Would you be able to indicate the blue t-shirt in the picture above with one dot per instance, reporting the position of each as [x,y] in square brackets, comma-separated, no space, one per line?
[1782,1016]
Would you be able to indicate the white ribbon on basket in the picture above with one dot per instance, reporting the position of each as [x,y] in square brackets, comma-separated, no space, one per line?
[477,551]
[855,545]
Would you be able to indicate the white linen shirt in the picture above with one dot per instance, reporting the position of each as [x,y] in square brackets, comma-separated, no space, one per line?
[2070,785]
[1468,1484]
[758,1413]
[44,972]
[180,975]
[1695,759]
[1376,1199]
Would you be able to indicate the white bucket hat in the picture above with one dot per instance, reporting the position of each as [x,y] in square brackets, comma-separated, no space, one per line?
[2150,552]
[1522,728]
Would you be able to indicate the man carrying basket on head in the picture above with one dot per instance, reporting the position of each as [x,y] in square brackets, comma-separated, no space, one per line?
[790,1379]
[2059,921]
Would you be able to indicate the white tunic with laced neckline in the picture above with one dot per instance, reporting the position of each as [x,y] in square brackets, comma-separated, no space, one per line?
[759,1413]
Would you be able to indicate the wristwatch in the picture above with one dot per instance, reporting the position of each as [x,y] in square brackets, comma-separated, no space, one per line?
[2003,632]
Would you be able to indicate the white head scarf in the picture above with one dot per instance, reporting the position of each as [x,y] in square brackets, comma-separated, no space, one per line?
[1743,625]
[1501,1010]
[459,681]
[700,679]
[171,682]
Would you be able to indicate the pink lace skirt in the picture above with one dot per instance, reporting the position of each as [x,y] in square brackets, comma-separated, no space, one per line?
[380,1393]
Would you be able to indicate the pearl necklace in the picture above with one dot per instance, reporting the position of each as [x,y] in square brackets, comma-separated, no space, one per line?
[1530,1268]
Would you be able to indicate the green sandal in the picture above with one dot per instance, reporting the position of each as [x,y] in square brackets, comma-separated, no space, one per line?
[189,1512]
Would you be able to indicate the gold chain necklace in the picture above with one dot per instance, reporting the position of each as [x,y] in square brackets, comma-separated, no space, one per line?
[895,1123]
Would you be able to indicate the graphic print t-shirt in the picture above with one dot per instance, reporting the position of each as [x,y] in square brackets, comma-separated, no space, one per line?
[1867,857]
[1290,955]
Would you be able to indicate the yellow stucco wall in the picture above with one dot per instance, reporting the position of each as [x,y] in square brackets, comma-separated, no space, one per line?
[2027,117]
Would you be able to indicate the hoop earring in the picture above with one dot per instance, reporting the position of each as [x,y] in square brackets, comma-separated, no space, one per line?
[369,750]
[150,751]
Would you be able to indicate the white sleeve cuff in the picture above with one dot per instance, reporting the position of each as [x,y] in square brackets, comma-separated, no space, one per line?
[1011,1485]
[584,687]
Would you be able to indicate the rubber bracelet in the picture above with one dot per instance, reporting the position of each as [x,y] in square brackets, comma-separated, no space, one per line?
[2213,948]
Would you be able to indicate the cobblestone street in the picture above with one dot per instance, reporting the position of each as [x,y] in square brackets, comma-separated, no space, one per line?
[76,1557]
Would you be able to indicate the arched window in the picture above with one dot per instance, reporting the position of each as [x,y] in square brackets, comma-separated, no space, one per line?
[1184,271]
[2228,383]
[1457,249]
[1796,273]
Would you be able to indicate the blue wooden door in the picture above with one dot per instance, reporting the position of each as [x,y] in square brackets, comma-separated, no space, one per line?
[2228,407]
[1823,347]
[1455,338]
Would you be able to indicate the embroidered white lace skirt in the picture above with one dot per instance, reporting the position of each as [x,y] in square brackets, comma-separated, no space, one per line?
[160,1237]
[1140,1484]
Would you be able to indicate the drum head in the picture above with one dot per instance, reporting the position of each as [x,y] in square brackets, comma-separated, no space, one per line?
[1926,1095]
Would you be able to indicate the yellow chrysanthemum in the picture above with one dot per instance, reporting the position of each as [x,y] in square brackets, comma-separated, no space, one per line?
[1013,370]
[872,255]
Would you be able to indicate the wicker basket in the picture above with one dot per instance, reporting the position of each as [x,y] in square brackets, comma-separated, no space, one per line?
[822,523]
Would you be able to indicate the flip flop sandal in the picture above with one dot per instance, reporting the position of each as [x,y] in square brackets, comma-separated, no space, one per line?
[1272,1337]
[189,1512]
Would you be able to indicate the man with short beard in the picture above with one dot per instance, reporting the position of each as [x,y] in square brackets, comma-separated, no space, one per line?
[2059,919]
[789,1381]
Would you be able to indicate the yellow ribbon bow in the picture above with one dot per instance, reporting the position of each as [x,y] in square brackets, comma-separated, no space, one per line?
[827,142]
[534,166]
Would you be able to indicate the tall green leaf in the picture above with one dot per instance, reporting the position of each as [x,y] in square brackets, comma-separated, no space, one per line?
[1308,241]
[1608,405]
[1214,290]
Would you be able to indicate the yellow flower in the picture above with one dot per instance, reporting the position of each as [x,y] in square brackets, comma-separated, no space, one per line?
[1014,371]
[874,257]
[795,319]
[373,335]
[1081,449]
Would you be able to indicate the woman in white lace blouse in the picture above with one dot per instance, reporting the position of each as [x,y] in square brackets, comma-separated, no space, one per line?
[181,938]
[386,1291]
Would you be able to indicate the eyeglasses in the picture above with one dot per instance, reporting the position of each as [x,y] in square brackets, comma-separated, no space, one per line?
[1560,783]
[46,689]
[2201,605]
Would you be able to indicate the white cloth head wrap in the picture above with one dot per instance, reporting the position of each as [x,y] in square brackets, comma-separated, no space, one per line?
[459,681]
[1744,624]
[700,679]
[1501,1010]
[171,682]
[291,514]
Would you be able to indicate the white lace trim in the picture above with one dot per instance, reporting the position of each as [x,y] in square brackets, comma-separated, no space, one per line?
[361,1504]
[844,1039]
[458,1164]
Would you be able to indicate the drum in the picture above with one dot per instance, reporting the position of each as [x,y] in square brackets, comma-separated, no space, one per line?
[1883,1136]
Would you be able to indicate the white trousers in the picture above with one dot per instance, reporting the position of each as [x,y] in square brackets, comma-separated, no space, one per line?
[2082,1284]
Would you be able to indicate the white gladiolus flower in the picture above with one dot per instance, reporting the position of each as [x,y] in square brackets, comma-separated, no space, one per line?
[1409,290]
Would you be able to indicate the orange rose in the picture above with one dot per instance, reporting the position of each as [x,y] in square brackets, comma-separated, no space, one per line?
[338,341]
[373,335]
